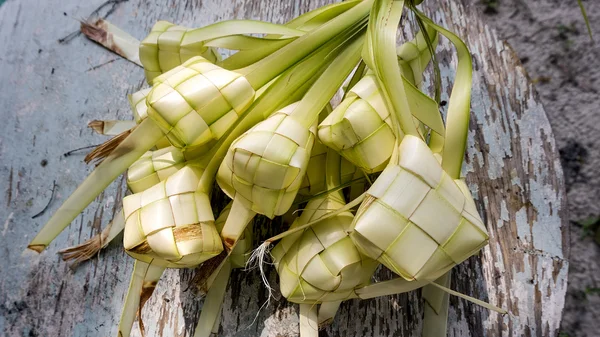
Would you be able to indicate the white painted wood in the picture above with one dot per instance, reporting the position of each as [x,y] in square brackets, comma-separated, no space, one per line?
[50,90]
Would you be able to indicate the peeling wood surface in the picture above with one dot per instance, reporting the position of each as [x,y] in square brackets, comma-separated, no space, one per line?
[50,90]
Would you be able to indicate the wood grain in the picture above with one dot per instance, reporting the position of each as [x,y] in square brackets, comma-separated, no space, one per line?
[50,90]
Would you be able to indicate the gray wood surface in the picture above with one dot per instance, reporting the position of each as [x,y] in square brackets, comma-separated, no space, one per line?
[51,89]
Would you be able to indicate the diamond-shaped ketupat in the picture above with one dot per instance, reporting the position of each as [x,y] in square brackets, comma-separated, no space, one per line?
[416,220]
[266,165]
[195,104]
[321,263]
[360,127]
[171,222]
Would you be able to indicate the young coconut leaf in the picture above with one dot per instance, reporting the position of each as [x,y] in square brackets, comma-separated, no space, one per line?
[414,55]
[305,22]
[111,127]
[134,146]
[435,320]
[144,278]
[585,18]
[311,20]
[213,302]
[113,38]
[400,285]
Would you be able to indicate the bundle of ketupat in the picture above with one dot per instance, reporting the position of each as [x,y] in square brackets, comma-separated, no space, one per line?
[250,123]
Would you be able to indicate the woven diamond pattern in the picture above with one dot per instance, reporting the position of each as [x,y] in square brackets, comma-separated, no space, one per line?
[171,221]
[360,127]
[196,102]
[137,100]
[314,179]
[154,167]
[416,220]
[165,48]
[265,166]
[321,263]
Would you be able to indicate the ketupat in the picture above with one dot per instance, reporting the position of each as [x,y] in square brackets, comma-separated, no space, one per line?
[321,265]
[360,128]
[146,275]
[168,221]
[172,221]
[195,103]
[266,165]
[416,206]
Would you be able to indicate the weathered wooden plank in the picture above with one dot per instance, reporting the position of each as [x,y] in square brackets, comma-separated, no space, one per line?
[50,91]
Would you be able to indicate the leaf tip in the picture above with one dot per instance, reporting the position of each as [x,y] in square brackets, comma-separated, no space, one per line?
[97,126]
[37,248]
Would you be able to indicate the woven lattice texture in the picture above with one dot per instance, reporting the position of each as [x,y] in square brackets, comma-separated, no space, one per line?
[168,46]
[172,222]
[314,179]
[241,252]
[265,166]
[139,108]
[416,220]
[194,104]
[137,100]
[321,263]
[360,127]
[154,167]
